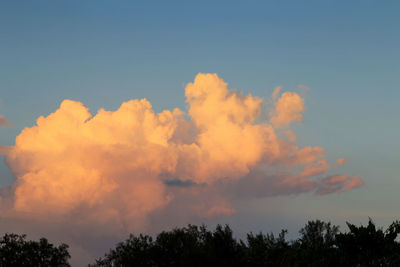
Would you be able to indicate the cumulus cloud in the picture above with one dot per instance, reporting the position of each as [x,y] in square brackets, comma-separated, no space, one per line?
[4,122]
[129,166]
[108,163]
[124,161]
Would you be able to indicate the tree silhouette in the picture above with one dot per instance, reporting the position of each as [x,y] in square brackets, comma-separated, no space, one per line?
[316,245]
[188,246]
[16,251]
[267,250]
[319,244]
[368,246]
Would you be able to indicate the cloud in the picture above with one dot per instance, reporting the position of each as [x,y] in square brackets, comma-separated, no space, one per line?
[132,168]
[288,108]
[339,184]
[4,149]
[342,161]
[4,122]
[276,92]
[108,164]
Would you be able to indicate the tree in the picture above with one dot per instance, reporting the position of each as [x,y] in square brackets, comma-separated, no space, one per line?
[267,250]
[16,251]
[316,245]
[188,246]
[368,246]
[135,251]
[319,244]
[222,249]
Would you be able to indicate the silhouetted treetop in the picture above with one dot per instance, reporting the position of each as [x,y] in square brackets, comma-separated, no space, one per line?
[319,244]
[18,252]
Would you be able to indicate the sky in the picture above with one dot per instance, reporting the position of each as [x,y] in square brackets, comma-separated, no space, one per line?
[232,102]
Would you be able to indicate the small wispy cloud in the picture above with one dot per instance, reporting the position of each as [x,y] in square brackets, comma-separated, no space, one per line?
[343,161]
[4,122]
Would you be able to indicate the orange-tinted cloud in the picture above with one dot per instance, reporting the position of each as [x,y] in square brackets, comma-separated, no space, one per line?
[288,108]
[339,183]
[125,165]
[109,163]
[4,122]
[4,149]
[342,161]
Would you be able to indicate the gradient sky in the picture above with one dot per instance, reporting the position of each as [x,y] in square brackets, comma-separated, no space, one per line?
[105,52]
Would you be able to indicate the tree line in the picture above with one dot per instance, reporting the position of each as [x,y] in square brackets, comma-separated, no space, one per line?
[319,244]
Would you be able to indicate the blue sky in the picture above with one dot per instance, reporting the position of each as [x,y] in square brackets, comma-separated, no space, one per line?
[105,52]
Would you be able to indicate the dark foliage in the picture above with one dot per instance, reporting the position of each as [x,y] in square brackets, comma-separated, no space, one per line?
[319,244]
[188,246]
[368,246]
[18,252]
[316,245]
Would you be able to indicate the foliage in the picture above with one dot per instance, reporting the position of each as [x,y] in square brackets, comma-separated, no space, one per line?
[319,244]
[188,246]
[16,251]
[368,246]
